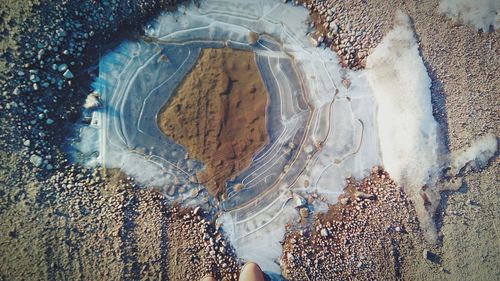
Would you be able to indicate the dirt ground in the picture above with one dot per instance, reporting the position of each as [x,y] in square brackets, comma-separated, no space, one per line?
[218,114]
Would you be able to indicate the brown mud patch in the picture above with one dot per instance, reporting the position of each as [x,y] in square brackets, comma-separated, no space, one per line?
[218,114]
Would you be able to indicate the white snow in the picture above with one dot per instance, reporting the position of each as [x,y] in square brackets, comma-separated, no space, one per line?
[479,153]
[479,13]
[407,130]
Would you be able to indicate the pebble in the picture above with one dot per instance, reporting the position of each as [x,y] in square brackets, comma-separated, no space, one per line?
[363,195]
[62,67]
[36,160]
[298,201]
[344,201]
[426,254]
[304,212]
[67,74]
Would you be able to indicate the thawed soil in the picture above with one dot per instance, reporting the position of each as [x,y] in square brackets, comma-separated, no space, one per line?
[219,114]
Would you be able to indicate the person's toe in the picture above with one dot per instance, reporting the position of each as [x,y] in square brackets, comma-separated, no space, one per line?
[251,272]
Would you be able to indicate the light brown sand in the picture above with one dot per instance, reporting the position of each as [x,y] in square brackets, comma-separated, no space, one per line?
[219,114]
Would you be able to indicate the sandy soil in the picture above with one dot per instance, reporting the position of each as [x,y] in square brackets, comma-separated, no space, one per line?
[219,114]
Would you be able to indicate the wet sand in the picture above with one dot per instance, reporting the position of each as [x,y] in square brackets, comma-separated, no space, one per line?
[218,114]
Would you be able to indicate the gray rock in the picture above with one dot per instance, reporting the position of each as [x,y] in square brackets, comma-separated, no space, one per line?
[36,160]
[333,27]
[324,232]
[62,67]
[68,75]
[34,78]
[298,201]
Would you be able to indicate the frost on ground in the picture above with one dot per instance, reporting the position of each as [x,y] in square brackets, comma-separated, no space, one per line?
[407,130]
[479,13]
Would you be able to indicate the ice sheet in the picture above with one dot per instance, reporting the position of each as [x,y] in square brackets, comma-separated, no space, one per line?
[320,131]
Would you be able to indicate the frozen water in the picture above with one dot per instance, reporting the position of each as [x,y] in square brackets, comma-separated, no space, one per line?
[321,132]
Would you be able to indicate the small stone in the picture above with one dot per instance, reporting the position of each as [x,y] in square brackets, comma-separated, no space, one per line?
[298,201]
[62,67]
[333,27]
[324,232]
[344,201]
[93,101]
[313,41]
[238,186]
[49,121]
[426,254]
[36,160]
[68,75]
[304,212]
[27,143]
[363,195]
[253,38]
[41,52]
[306,183]
[346,83]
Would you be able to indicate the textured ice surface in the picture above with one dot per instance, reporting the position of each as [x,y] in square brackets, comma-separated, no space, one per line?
[321,132]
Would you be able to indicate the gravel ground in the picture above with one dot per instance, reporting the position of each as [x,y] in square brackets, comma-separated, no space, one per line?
[369,235]
[462,64]
[64,222]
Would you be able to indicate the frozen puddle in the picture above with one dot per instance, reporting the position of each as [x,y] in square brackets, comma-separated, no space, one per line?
[321,132]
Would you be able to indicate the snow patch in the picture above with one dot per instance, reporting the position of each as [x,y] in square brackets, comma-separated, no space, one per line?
[479,13]
[478,154]
[407,130]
